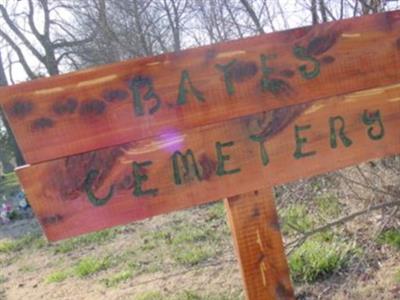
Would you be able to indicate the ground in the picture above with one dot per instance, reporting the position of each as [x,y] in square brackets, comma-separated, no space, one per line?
[188,255]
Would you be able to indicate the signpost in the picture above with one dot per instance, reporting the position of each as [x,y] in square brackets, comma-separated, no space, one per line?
[124,142]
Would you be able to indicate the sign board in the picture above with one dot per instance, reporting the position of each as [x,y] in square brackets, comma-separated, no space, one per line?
[119,143]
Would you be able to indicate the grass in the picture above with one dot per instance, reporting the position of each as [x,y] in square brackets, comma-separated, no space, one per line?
[189,295]
[118,278]
[296,218]
[9,184]
[30,241]
[192,244]
[190,256]
[216,211]
[150,295]
[328,206]
[3,279]
[390,237]
[27,269]
[86,240]
[186,244]
[57,276]
[90,265]
[185,295]
[191,234]
[397,276]
[317,259]
[7,246]
[86,267]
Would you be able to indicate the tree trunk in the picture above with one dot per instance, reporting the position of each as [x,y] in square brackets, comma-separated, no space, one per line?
[252,15]
[314,12]
[17,153]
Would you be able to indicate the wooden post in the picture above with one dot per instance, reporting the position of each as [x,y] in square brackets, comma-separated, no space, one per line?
[255,229]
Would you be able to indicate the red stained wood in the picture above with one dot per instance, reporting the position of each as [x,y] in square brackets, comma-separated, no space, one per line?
[56,189]
[93,109]
[258,243]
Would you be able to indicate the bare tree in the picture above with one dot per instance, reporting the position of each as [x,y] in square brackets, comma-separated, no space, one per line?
[21,32]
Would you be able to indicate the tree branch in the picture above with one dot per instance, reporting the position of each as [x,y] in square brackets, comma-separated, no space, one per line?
[252,15]
[298,242]
[19,53]
[23,38]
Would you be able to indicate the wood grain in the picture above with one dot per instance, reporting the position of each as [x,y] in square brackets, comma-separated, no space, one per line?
[229,162]
[255,229]
[93,109]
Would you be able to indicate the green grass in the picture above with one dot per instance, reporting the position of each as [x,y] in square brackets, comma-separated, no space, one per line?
[91,265]
[186,244]
[27,269]
[317,259]
[58,276]
[185,295]
[189,255]
[190,295]
[30,241]
[118,278]
[296,218]
[7,246]
[3,279]
[139,261]
[193,244]
[191,234]
[96,238]
[397,276]
[328,206]
[150,295]
[216,211]
[390,237]
[9,184]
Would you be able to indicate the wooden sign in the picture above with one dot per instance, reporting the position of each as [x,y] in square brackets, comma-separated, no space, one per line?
[92,109]
[132,181]
[132,140]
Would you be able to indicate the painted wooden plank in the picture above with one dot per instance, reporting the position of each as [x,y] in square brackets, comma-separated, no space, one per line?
[258,243]
[115,104]
[117,185]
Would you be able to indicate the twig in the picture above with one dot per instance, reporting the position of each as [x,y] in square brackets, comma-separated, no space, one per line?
[375,189]
[296,243]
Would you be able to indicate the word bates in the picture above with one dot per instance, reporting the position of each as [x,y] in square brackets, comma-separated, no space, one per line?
[142,88]
[185,165]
